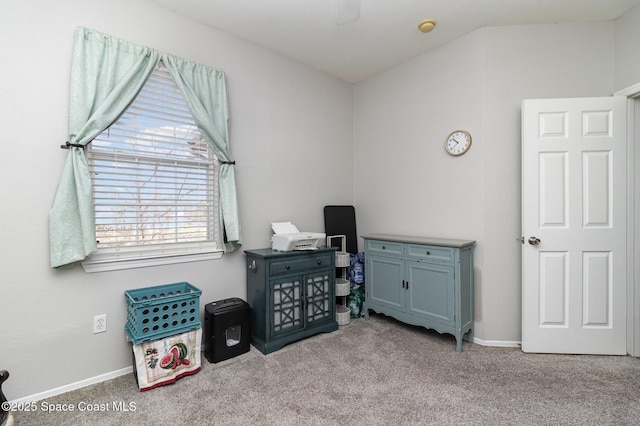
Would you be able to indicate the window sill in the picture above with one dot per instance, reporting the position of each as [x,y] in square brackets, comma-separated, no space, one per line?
[114,260]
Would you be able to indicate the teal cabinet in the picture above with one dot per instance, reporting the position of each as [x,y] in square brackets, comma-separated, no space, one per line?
[421,281]
[291,295]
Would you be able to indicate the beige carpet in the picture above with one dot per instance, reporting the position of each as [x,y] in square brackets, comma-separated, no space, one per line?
[376,372]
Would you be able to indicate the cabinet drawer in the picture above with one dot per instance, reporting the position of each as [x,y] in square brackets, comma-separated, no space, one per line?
[383,247]
[293,265]
[441,254]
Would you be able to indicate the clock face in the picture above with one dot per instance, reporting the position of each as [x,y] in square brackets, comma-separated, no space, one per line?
[458,142]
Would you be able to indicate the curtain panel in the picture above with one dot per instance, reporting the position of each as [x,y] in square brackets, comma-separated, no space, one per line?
[106,75]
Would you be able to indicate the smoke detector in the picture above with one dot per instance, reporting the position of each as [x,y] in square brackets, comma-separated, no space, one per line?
[427,25]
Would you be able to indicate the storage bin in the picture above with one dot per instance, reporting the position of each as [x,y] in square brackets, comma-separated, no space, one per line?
[343,315]
[343,287]
[342,259]
[162,311]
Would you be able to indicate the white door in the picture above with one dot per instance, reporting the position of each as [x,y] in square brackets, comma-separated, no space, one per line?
[574,225]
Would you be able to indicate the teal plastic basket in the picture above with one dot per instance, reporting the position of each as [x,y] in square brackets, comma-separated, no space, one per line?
[162,311]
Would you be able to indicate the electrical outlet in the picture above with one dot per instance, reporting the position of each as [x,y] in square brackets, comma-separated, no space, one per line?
[100,323]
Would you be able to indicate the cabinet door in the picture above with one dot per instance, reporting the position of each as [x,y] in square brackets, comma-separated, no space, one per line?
[430,291]
[286,304]
[384,281]
[319,297]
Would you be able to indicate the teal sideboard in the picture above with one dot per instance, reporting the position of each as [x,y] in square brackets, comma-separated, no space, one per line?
[421,281]
[291,295]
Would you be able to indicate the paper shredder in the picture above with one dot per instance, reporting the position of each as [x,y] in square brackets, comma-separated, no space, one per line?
[226,329]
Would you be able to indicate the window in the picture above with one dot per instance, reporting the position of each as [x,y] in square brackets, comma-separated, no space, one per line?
[155,184]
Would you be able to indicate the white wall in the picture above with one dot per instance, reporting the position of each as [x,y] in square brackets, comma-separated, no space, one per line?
[540,61]
[291,135]
[626,49]
[404,181]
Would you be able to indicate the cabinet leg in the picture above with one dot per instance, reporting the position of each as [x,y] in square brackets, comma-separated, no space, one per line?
[366,313]
[459,344]
[470,336]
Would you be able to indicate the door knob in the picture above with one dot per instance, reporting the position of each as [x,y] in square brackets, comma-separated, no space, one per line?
[534,241]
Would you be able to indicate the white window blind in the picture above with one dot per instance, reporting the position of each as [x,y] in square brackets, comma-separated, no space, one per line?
[155,179]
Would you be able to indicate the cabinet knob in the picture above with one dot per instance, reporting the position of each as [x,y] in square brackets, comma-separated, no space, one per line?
[384,248]
[288,267]
[428,252]
[319,262]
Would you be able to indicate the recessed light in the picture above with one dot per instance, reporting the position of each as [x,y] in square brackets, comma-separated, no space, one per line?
[427,25]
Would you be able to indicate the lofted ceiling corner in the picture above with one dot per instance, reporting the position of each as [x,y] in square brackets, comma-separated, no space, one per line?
[384,34]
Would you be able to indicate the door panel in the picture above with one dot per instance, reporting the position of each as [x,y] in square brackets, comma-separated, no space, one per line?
[429,290]
[384,276]
[287,305]
[554,289]
[319,303]
[597,290]
[574,211]
[553,189]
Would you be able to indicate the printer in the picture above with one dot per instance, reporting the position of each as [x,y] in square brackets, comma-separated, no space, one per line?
[286,237]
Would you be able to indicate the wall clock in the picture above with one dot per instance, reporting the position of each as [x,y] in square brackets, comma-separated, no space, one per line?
[458,142]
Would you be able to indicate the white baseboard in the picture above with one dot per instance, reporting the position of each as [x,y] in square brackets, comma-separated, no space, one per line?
[74,386]
[81,384]
[499,343]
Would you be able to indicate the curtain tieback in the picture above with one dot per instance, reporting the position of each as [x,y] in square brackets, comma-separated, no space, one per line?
[68,145]
[228,162]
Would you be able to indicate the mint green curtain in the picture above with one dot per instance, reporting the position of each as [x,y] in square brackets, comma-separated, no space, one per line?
[205,92]
[106,75]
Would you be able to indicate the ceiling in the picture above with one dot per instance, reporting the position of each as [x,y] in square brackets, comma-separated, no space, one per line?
[386,32]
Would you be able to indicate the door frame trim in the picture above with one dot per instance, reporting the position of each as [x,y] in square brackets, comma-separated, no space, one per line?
[632,93]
